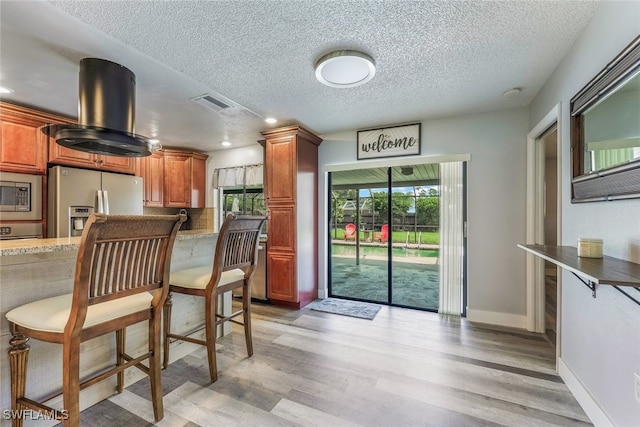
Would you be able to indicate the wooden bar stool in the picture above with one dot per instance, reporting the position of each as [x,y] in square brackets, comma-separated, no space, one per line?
[234,262]
[121,278]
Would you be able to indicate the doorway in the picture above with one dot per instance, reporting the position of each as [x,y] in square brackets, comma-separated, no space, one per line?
[384,243]
[549,143]
[544,195]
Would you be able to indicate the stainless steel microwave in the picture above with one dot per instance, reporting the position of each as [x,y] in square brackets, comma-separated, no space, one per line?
[20,197]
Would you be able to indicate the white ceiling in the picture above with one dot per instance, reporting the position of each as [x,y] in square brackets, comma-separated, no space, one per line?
[434,59]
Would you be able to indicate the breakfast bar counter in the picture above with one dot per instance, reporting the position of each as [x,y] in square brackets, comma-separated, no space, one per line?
[33,269]
[59,244]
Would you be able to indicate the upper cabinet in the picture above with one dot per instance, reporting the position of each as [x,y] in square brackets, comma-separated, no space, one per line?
[23,147]
[173,178]
[65,156]
[177,179]
[184,179]
[280,173]
[198,180]
[151,169]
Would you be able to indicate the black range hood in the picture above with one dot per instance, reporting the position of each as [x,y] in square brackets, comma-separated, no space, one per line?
[106,113]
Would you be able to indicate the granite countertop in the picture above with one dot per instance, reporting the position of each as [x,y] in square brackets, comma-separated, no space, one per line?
[194,234]
[35,246]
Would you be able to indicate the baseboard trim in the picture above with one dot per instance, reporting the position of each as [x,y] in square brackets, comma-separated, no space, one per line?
[582,395]
[496,318]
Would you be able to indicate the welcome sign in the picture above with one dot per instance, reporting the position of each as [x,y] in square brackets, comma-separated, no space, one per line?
[389,142]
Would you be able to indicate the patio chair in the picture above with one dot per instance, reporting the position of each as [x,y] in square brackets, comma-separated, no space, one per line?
[350,232]
[384,233]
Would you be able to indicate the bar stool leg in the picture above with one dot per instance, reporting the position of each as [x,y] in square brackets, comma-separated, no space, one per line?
[71,381]
[120,350]
[154,368]
[246,307]
[18,356]
[168,304]
[210,334]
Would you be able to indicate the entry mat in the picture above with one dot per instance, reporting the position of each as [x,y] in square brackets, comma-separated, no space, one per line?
[362,310]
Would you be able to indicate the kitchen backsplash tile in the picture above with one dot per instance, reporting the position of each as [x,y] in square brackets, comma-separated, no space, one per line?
[201,219]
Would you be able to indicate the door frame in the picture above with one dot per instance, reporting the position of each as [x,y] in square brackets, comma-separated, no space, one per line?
[323,282]
[535,218]
[325,288]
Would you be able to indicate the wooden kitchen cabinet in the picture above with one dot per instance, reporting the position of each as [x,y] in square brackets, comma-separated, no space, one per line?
[177,179]
[23,147]
[117,164]
[198,180]
[281,179]
[291,194]
[184,179]
[67,157]
[151,169]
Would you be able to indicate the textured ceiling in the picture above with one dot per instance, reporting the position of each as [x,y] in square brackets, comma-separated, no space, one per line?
[434,59]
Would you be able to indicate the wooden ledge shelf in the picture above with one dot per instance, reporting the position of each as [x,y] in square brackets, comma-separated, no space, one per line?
[591,271]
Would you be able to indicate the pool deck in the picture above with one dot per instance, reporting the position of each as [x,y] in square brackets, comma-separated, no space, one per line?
[406,259]
[395,245]
[415,284]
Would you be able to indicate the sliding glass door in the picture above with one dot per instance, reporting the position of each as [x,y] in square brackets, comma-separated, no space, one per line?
[359,258]
[415,243]
[385,235]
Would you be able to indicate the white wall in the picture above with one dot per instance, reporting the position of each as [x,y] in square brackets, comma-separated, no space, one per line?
[600,337]
[496,199]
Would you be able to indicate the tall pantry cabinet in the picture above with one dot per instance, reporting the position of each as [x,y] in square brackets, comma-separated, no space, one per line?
[291,196]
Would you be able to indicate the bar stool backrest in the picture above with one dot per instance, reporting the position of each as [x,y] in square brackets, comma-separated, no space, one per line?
[237,246]
[122,255]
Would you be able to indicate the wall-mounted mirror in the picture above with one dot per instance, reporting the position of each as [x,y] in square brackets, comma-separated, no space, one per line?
[605,131]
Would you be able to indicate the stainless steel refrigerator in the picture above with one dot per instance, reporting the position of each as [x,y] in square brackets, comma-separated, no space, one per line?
[76,193]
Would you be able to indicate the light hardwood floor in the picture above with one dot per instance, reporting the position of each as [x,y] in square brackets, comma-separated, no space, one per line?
[404,368]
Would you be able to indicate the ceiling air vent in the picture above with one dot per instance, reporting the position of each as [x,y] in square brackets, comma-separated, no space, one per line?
[214,102]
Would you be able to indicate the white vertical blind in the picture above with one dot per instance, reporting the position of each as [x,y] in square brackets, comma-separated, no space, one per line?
[451,238]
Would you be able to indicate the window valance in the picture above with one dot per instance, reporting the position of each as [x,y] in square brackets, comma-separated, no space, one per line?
[246,175]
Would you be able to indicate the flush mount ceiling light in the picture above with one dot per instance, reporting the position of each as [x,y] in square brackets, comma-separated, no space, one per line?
[345,68]
[511,92]
[271,120]
[4,89]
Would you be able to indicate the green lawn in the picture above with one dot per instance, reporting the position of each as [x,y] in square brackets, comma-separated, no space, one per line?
[427,237]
